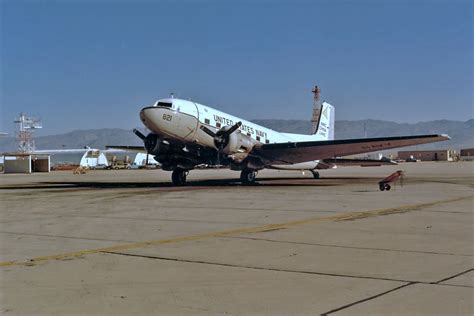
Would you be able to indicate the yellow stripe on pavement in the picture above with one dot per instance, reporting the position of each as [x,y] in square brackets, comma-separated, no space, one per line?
[236,231]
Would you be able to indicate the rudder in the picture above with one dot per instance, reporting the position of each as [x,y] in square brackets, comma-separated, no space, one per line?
[326,121]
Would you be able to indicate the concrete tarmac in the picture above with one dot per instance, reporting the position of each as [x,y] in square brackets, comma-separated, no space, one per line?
[128,242]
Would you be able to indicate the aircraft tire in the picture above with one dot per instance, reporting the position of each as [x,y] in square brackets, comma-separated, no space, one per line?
[382,186]
[387,187]
[316,174]
[179,176]
[248,176]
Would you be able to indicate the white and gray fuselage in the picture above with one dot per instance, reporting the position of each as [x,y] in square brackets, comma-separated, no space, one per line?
[181,120]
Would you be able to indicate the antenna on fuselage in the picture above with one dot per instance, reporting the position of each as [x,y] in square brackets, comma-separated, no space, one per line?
[316,109]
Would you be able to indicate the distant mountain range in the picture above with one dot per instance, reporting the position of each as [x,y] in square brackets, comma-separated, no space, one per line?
[462,133]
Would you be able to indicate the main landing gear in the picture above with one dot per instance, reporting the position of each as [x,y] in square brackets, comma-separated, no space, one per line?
[315,174]
[384,186]
[247,176]
[179,176]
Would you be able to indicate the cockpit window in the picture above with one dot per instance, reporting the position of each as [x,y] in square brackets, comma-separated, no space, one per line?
[165,104]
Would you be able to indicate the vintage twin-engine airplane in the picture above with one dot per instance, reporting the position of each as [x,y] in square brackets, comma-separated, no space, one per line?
[185,134]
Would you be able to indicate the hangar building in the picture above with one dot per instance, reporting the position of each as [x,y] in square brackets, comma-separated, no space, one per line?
[429,155]
[87,157]
[467,154]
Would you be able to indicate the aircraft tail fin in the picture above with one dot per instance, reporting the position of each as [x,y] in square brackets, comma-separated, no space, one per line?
[324,129]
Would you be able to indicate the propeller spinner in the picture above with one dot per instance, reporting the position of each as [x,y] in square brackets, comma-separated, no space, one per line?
[221,137]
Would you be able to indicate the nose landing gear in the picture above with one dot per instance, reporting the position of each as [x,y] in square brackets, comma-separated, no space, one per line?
[179,176]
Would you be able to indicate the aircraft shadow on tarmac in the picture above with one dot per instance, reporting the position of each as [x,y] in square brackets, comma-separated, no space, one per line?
[261,182]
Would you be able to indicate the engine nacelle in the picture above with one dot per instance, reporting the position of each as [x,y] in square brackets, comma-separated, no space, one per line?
[154,145]
[238,144]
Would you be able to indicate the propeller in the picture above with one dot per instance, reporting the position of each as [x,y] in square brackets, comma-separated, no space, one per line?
[221,137]
[150,141]
[207,131]
[139,134]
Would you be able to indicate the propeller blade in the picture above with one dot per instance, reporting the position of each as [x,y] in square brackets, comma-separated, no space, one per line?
[232,129]
[139,134]
[207,131]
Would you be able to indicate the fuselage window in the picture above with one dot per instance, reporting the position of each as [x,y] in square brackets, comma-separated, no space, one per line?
[206,121]
[248,134]
[258,138]
[267,141]
[218,125]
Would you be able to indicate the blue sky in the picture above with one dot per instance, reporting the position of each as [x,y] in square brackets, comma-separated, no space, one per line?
[94,64]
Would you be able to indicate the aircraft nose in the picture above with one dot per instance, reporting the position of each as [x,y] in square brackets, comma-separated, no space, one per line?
[158,120]
[148,116]
[143,115]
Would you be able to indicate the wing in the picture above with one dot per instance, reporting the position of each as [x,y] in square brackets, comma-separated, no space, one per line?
[295,152]
[140,149]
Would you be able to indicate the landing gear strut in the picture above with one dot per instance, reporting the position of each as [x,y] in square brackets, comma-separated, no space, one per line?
[315,174]
[247,176]
[179,176]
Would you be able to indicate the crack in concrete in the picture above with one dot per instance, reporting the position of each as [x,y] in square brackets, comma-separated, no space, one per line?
[65,237]
[350,247]
[367,299]
[453,276]
[231,265]
[157,219]
[401,287]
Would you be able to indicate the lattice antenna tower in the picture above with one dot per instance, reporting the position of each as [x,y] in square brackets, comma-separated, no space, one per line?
[26,126]
[316,109]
